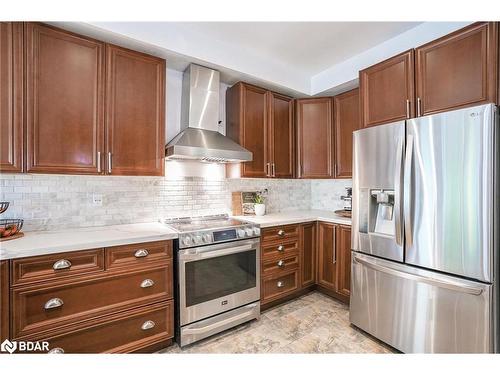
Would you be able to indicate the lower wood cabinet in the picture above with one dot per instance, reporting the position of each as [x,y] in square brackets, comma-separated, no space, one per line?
[4,300]
[117,299]
[308,254]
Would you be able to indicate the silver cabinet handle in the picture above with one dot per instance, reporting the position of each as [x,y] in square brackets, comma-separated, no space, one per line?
[280,284]
[147,283]
[407,108]
[110,162]
[56,351]
[273,166]
[53,303]
[281,263]
[281,248]
[419,107]
[61,264]
[334,260]
[148,325]
[141,253]
[281,233]
[98,161]
[268,169]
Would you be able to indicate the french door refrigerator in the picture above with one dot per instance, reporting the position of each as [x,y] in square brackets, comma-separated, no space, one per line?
[425,232]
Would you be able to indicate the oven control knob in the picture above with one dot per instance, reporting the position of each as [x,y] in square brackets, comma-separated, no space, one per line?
[197,239]
[256,231]
[187,241]
[249,232]
[241,233]
[207,238]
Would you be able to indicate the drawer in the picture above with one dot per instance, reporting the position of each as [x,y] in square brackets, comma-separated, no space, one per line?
[54,306]
[284,232]
[278,265]
[279,285]
[279,249]
[137,254]
[120,333]
[57,266]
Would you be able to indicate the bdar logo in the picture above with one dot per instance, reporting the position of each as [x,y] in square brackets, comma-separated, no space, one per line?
[8,346]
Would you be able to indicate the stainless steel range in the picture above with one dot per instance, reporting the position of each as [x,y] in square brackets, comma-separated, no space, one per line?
[217,261]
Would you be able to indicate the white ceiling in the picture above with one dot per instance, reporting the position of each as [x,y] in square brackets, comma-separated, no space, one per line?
[310,47]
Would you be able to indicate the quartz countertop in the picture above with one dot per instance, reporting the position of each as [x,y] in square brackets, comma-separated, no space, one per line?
[49,242]
[294,217]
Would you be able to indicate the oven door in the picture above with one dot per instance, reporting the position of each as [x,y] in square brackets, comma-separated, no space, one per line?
[218,278]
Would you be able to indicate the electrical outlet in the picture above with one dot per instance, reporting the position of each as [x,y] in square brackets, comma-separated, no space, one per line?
[97,199]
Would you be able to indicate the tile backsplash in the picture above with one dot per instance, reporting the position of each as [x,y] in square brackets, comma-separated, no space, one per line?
[325,194]
[48,202]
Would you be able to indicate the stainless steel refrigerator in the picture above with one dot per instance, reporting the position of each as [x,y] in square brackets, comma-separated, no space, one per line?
[425,232]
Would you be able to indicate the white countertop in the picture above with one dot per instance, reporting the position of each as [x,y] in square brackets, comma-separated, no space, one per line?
[49,242]
[294,217]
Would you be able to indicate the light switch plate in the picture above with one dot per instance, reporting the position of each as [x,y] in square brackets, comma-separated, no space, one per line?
[97,199]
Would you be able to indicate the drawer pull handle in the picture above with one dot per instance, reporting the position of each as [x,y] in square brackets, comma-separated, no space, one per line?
[280,284]
[141,253]
[281,263]
[53,303]
[56,351]
[61,264]
[281,248]
[281,233]
[147,325]
[147,283]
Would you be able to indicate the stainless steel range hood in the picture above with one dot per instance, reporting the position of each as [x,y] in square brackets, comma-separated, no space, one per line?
[199,138]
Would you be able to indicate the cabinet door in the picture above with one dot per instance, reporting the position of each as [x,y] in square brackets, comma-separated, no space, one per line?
[282,135]
[4,300]
[458,70]
[135,113]
[315,137]
[346,120]
[64,101]
[343,247]
[308,253]
[327,255]
[11,88]
[387,90]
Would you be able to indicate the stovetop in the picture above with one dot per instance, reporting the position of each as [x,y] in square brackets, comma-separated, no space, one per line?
[206,230]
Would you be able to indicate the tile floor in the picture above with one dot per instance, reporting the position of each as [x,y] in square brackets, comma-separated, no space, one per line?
[313,323]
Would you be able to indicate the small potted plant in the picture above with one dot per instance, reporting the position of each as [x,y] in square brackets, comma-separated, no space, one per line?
[260,207]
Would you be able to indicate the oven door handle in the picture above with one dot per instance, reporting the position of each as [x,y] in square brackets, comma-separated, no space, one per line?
[210,327]
[205,254]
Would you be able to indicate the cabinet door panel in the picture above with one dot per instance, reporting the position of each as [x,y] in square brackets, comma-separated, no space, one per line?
[459,69]
[385,89]
[4,300]
[308,254]
[344,260]
[135,113]
[64,110]
[315,137]
[346,119]
[11,84]
[282,135]
[327,257]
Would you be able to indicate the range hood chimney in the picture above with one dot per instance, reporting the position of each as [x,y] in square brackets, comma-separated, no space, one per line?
[199,138]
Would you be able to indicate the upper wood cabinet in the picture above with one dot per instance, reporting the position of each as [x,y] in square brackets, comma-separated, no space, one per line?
[346,120]
[387,90]
[135,113]
[458,70]
[282,139]
[11,89]
[64,101]
[308,253]
[262,122]
[315,137]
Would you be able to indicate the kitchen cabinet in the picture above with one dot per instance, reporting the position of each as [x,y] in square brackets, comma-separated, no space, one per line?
[315,137]
[4,300]
[262,122]
[11,97]
[344,260]
[64,101]
[308,254]
[458,70]
[346,120]
[387,90]
[135,113]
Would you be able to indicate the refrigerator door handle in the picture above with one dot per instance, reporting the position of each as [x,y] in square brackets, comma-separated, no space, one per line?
[398,193]
[407,193]
[455,286]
